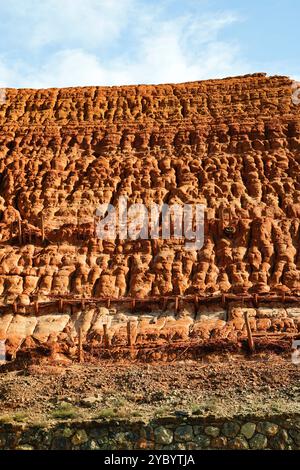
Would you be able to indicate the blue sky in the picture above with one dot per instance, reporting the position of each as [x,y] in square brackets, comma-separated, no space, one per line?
[50,43]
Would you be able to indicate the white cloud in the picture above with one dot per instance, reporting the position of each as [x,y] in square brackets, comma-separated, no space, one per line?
[187,49]
[99,42]
[93,22]
[65,23]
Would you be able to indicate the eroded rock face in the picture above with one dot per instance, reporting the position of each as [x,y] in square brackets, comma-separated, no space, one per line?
[232,145]
[159,326]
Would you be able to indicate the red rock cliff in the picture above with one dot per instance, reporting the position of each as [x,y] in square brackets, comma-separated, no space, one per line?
[232,144]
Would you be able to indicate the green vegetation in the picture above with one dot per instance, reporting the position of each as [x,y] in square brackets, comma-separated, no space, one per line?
[65,411]
[107,413]
[17,417]
[162,412]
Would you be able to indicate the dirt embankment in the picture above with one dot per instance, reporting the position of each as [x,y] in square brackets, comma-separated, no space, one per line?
[217,385]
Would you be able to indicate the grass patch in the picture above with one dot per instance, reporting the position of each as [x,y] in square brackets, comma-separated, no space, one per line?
[20,417]
[39,423]
[107,413]
[163,411]
[65,411]
[6,419]
[119,403]
[136,414]
[197,410]
[114,412]
[17,417]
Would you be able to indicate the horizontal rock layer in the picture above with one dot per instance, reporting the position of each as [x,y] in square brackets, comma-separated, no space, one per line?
[156,327]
